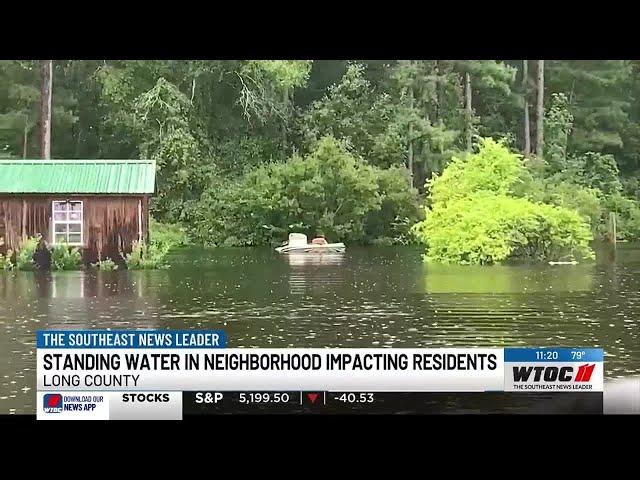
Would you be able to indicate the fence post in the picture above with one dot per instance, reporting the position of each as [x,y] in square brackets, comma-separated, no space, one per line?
[613,234]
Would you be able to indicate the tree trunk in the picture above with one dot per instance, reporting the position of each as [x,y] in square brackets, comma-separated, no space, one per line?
[410,155]
[437,100]
[468,109]
[287,101]
[25,138]
[525,93]
[46,69]
[540,110]
[566,134]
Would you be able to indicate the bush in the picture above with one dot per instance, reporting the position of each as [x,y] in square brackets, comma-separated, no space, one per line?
[398,211]
[486,229]
[601,172]
[475,218]
[5,261]
[493,169]
[24,257]
[586,201]
[627,217]
[166,235]
[146,257]
[329,190]
[106,265]
[383,242]
[64,257]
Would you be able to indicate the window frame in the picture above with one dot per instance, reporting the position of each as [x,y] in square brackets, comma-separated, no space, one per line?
[67,222]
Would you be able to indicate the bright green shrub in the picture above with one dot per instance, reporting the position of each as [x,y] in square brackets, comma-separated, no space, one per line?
[106,265]
[5,261]
[24,257]
[64,257]
[146,257]
[167,235]
[494,169]
[487,229]
[475,216]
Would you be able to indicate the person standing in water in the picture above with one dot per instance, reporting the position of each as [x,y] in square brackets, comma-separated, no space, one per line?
[319,240]
[42,256]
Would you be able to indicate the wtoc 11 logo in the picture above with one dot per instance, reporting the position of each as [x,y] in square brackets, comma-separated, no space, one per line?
[553,369]
[52,403]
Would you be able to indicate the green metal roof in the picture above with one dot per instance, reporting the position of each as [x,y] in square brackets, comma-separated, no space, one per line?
[77,176]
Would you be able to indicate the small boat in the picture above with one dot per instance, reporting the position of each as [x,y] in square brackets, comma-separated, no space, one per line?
[298,244]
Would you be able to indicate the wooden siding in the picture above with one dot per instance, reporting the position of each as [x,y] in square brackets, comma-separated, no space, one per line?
[110,222]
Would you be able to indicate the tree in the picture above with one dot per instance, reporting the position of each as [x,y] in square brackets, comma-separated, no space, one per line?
[19,106]
[525,91]
[540,110]
[598,93]
[45,108]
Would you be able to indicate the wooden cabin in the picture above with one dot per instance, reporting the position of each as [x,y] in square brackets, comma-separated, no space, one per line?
[100,206]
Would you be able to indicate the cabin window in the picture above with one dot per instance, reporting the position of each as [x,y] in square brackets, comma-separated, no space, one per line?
[67,222]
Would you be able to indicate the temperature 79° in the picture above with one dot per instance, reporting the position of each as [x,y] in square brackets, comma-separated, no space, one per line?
[578,354]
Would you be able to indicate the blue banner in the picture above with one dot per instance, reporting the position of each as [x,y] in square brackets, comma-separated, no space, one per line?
[553,355]
[131,339]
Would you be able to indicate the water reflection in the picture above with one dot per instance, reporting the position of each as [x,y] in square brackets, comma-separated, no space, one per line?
[308,273]
[303,259]
[509,279]
[368,297]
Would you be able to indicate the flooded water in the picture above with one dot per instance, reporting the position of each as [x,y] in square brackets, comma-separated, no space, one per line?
[369,297]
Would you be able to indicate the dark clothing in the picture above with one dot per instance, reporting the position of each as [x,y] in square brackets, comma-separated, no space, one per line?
[42,259]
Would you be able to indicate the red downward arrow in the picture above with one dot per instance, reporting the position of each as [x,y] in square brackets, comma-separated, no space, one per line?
[313,397]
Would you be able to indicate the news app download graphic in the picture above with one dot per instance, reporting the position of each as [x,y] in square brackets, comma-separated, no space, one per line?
[122,374]
[52,403]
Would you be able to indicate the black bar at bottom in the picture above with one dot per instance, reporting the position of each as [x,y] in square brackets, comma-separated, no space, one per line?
[408,403]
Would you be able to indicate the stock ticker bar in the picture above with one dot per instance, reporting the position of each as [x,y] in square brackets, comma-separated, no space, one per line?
[389,403]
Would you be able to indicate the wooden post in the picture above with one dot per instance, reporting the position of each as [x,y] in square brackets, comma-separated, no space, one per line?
[139,221]
[24,219]
[613,234]
[147,220]
[45,108]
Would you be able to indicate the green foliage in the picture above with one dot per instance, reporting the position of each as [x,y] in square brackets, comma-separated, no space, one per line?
[146,257]
[215,126]
[587,202]
[627,217]
[493,169]
[354,112]
[64,257]
[601,172]
[267,85]
[106,265]
[167,236]
[486,229]
[20,104]
[329,190]
[163,238]
[558,122]
[5,261]
[474,219]
[398,211]
[24,257]
[598,92]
